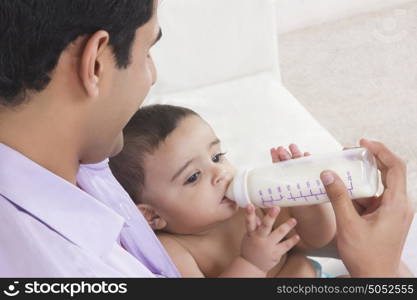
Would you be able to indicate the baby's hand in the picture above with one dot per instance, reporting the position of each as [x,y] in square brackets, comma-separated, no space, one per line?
[262,247]
[281,154]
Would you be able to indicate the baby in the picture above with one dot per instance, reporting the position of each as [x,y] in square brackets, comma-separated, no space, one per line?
[174,169]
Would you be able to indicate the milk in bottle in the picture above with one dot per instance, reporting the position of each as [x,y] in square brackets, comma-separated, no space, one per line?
[297,181]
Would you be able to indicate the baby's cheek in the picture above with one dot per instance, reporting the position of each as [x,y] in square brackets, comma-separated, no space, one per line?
[231,169]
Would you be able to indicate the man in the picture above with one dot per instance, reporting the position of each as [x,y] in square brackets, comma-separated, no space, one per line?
[72,73]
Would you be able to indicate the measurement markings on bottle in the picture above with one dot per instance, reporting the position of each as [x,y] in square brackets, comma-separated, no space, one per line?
[294,192]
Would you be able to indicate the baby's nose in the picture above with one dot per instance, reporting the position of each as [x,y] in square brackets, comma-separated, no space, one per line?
[223,177]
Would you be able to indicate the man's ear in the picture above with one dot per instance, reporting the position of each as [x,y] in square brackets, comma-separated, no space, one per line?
[152,217]
[91,68]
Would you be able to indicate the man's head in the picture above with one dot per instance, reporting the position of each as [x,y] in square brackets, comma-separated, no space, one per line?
[77,69]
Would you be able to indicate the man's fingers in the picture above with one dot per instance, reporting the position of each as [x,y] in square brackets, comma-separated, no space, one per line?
[393,170]
[395,179]
[363,204]
[268,220]
[385,158]
[342,203]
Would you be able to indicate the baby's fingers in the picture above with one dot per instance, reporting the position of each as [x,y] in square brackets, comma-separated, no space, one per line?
[295,151]
[287,245]
[274,155]
[283,154]
[250,218]
[268,221]
[282,230]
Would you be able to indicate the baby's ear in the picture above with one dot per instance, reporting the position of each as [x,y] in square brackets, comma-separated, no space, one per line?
[152,217]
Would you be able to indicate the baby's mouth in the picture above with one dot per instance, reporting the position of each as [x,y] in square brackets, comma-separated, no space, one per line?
[226,200]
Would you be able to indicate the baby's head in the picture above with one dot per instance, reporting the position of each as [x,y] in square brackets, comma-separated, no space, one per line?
[173,168]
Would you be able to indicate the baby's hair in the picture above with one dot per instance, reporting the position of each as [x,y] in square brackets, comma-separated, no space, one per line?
[150,126]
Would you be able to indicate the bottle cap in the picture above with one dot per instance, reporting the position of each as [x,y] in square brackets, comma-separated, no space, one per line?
[238,190]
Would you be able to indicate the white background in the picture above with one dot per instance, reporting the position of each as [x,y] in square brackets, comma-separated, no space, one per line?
[296,14]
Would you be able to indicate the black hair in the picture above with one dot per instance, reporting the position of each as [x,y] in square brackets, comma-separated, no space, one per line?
[34,33]
[150,126]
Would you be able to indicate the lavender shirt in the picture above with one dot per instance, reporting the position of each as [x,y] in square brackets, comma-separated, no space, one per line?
[51,228]
[136,236]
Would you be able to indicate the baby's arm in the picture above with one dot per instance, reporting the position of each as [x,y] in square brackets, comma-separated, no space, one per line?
[261,249]
[264,245]
[316,226]
[316,223]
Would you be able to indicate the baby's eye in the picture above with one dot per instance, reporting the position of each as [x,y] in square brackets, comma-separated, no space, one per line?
[193,178]
[216,158]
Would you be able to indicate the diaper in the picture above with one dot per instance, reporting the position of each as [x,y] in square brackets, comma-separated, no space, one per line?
[319,270]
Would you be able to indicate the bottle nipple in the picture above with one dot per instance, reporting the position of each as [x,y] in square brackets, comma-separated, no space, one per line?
[237,190]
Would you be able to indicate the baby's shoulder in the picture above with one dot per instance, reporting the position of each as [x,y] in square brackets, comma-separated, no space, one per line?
[175,246]
[180,255]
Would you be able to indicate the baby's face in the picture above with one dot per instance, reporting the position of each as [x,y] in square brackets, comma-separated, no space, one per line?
[187,177]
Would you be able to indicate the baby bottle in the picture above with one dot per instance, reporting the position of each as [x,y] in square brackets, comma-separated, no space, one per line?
[297,181]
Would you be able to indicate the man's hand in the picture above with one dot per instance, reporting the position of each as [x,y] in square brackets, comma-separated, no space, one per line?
[371,233]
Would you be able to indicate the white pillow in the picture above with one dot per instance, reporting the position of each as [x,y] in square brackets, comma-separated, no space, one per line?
[253,114]
[209,41]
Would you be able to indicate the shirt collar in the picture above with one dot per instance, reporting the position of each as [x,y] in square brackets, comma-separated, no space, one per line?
[65,208]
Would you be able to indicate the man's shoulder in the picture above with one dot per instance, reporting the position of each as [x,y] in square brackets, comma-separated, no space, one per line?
[7,208]
[21,252]
[22,233]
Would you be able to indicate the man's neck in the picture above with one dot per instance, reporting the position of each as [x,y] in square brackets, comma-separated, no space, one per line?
[45,142]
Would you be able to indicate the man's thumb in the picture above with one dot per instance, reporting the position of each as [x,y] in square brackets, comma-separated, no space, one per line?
[339,196]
